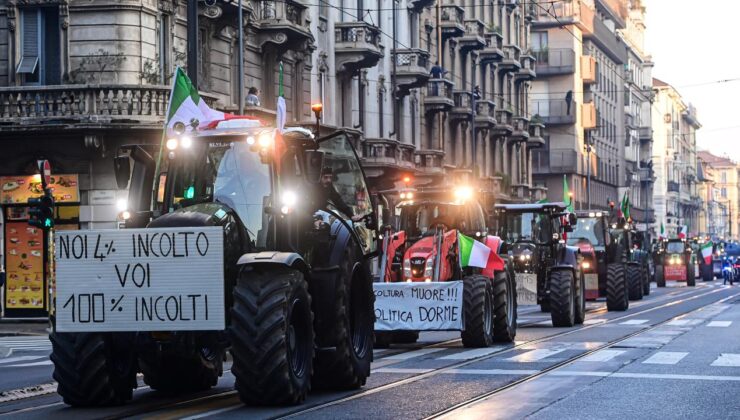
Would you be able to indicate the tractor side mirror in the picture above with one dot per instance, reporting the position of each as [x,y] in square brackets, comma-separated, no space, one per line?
[122,170]
[314,164]
[572,219]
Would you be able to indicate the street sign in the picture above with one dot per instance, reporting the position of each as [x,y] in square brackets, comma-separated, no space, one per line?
[165,279]
[45,169]
[418,306]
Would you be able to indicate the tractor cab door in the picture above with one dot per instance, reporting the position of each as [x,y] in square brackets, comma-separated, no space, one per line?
[350,197]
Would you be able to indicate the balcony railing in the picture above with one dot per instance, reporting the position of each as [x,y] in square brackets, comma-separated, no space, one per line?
[646,133]
[555,61]
[388,153]
[493,50]
[430,161]
[555,111]
[560,13]
[439,95]
[673,186]
[473,39]
[554,161]
[134,104]
[358,45]
[451,20]
[413,68]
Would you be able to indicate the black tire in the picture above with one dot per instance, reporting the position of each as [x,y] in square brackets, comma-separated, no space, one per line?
[659,276]
[562,298]
[545,306]
[617,297]
[478,311]
[504,307]
[580,315]
[383,339]
[706,273]
[176,371]
[94,369]
[645,281]
[272,336]
[690,275]
[634,280]
[348,366]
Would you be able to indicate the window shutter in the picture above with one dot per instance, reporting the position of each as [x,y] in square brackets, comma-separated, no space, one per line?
[30,41]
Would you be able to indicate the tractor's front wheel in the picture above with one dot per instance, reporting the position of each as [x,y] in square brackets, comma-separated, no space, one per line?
[580,316]
[646,281]
[94,369]
[504,307]
[634,280]
[659,276]
[562,298]
[690,275]
[478,311]
[617,297]
[272,336]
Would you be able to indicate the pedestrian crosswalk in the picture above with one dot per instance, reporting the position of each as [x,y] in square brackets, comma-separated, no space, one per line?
[24,352]
[665,358]
[26,343]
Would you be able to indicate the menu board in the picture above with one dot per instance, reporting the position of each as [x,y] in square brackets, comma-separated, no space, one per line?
[24,265]
[18,189]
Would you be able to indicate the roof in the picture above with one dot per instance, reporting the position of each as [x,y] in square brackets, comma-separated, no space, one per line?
[714,160]
[659,83]
[526,208]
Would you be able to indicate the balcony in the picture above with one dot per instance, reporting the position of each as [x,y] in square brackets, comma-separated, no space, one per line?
[357,46]
[387,154]
[504,124]
[463,107]
[646,175]
[492,52]
[588,70]
[555,111]
[510,63]
[559,14]
[555,62]
[451,22]
[485,114]
[521,129]
[673,186]
[474,37]
[501,185]
[646,133]
[142,106]
[536,139]
[538,193]
[430,162]
[554,161]
[438,97]
[588,115]
[418,5]
[520,192]
[412,69]
[528,65]
[282,25]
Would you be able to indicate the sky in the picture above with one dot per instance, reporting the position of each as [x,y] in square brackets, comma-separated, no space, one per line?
[696,42]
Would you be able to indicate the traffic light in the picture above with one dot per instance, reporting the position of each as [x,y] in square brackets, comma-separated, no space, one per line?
[41,213]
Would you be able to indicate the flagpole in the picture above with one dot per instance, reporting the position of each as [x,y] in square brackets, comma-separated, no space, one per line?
[241,59]
[155,181]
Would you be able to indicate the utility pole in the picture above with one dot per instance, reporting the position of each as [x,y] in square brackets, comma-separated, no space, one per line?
[241,58]
[193,41]
[474,160]
[588,169]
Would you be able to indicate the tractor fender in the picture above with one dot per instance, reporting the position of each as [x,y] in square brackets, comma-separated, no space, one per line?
[570,257]
[494,244]
[266,258]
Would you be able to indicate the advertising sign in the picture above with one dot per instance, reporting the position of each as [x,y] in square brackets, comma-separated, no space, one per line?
[18,189]
[25,266]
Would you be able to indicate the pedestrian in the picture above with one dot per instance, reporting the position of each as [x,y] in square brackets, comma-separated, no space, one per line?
[252,97]
[437,71]
[476,93]
[568,100]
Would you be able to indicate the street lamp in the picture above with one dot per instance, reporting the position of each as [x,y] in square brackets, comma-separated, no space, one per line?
[317,108]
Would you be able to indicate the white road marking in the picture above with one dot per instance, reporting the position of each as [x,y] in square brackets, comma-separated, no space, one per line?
[593,321]
[719,324]
[634,322]
[493,371]
[44,363]
[415,353]
[665,358]
[402,370]
[603,355]
[19,359]
[727,359]
[534,355]
[679,322]
[472,354]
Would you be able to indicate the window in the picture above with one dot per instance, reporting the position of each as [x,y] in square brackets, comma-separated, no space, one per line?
[165,48]
[724,192]
[724,177]
[323,9]
[40,60]
[539,41]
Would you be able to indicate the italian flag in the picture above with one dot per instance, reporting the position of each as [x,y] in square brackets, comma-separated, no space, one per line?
[474,253]
[706,252]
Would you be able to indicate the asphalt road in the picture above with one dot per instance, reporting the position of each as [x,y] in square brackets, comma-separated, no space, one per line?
[675,354]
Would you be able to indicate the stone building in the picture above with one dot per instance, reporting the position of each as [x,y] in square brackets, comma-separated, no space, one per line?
[720,202]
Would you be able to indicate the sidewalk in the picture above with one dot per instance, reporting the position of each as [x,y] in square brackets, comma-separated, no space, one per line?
[10,327]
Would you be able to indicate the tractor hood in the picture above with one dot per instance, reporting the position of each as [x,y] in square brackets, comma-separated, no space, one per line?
[422,249]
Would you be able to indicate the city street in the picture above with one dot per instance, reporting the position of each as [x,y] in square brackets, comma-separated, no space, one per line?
[676,353]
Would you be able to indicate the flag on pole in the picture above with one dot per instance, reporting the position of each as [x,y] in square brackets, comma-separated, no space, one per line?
[474,253]
[706,252]
[625,207]
[662,229]
[566,195]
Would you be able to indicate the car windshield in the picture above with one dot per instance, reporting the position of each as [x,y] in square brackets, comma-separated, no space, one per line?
[590,228]
[418,219]
[530,227]
[674,247]
[229,172]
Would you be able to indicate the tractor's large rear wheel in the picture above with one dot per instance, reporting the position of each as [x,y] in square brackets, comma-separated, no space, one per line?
[617,297]
[659,276]
[347,366]
[504,307]
[478,309]
[174,371]
[634,280]
[690,275]
[562,298]
[580,316]
[94,369]
[646,280]
[272,336]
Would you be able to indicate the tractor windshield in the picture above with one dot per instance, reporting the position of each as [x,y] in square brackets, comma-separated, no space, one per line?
[591,228]
[228,172]
[419,219]
[526,227]
[674,247]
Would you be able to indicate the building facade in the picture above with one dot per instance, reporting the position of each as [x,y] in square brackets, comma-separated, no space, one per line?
[676,200]
[721,204]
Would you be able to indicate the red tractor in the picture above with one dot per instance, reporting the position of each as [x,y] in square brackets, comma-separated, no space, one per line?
[442,237]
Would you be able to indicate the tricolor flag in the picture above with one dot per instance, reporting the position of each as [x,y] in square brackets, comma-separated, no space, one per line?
[706,252]
[474,253]
[566,195]
[626,206]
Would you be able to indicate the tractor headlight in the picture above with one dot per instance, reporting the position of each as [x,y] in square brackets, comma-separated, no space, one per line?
[289,200]
[186,141]
[585,265]
[171,144]
[428,267]
[264,139]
